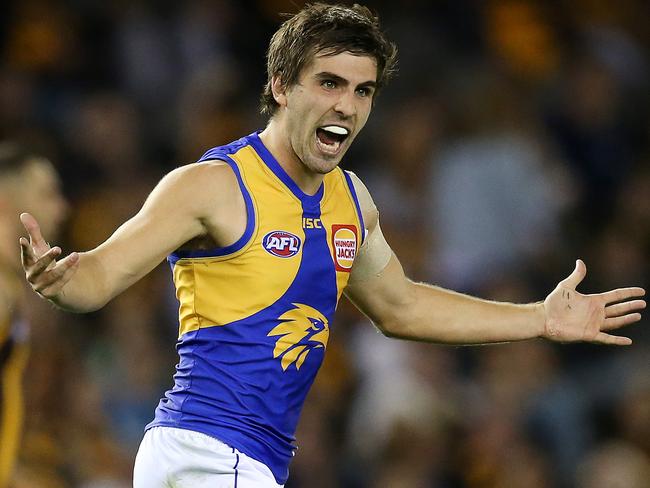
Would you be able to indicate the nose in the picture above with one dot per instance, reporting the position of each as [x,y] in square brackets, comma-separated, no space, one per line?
[345,105]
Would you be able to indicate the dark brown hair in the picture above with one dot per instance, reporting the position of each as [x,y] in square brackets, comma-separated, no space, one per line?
[328,30]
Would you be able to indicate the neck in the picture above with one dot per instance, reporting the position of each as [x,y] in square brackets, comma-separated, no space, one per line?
[276,139]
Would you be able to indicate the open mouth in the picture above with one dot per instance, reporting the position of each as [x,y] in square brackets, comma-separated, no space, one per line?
[330,137]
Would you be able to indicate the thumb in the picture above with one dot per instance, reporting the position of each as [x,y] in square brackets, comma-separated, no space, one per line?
[578,274]
[34,230]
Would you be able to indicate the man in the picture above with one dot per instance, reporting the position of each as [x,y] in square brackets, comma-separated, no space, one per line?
[263,236]
[27,181]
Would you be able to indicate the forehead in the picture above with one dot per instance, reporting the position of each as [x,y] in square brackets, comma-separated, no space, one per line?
[354,68]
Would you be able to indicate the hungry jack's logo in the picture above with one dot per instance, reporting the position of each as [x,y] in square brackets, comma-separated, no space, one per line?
[344,245]
[302,329]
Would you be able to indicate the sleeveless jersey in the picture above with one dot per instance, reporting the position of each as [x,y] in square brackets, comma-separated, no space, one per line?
[14,351]
[255,316]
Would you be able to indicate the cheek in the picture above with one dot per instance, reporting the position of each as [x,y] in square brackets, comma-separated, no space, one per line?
[47,206]
[28,199]
[366,108]
[363,115]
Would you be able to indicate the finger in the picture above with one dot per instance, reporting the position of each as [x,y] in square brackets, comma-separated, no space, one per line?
[611,340]
[34,231]
[622,294]
[42,263]
[617,322]
[623,308]
[578,274]
[60,275]
[27,256]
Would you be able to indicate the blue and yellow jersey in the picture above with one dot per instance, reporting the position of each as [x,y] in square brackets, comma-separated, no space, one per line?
[255,316]
[14,352]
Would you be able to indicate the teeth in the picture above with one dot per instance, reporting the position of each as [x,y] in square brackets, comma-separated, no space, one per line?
[336,130]
[329,148]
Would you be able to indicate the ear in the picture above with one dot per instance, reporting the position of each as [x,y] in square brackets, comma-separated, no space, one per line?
[279,91]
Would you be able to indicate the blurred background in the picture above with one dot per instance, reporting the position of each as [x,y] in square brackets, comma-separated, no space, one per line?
[514,140]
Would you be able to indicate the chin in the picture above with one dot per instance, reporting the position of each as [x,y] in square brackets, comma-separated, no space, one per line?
[324,166]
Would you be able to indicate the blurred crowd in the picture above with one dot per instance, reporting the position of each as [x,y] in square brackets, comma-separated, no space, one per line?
[514,140]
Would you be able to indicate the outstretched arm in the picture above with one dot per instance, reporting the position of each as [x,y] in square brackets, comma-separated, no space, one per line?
[184,205]
[402,308]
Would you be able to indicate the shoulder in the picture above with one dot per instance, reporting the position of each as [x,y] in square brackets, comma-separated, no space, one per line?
[199,184]
[367,204]
[206,174]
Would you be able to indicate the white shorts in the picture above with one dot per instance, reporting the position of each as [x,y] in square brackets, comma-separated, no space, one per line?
[179,458]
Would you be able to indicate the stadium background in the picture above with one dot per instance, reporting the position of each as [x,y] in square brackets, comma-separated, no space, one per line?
[514,140]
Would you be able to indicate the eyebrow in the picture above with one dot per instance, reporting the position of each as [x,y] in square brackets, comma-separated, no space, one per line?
[326,75]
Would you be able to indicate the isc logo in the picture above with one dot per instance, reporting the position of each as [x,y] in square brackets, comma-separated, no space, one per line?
[310,223]
[281,244]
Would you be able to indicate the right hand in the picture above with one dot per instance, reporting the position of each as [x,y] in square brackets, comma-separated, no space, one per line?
[45,274]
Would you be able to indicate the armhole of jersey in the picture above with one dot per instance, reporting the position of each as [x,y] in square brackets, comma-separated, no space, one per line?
[353,192]
[250,221]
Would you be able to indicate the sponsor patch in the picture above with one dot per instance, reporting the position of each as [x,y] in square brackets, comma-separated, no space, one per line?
[344,244]
[281,243]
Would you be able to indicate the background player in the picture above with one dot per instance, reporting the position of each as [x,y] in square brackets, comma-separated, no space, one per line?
[333,89]
[26,181]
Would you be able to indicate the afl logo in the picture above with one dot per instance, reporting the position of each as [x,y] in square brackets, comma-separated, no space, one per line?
[281,244]
[344,242]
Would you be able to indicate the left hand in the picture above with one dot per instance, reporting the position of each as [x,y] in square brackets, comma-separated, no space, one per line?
[572,316]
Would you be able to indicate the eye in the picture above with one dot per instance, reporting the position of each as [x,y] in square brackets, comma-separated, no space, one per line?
[329,84]
[364,92]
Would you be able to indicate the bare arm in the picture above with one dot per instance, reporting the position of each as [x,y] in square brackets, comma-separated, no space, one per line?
[402,308]
[182,206]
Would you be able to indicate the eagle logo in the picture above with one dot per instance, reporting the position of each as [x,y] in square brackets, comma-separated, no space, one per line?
[302,329]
